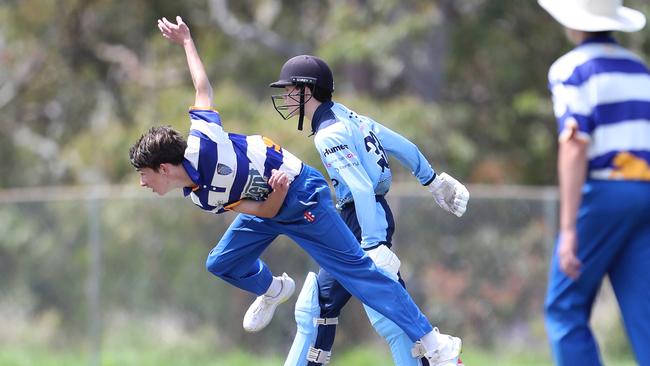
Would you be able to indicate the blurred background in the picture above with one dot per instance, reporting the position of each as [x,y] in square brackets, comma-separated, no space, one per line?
[97,271]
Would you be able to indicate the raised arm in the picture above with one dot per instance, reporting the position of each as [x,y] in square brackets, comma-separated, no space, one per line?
[179,33]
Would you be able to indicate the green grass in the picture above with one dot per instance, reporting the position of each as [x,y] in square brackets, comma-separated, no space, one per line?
[379,357]
[182,356]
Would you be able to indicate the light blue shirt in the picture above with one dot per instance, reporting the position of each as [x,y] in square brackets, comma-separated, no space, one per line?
[355,151]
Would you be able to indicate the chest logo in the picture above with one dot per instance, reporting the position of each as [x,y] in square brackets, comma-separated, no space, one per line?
[223,169]
[332,150]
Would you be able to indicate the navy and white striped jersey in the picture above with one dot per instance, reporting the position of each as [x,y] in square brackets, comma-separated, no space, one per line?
[228,167]
[355,151]
[601,93]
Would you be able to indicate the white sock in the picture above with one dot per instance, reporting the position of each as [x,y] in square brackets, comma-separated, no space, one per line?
[275,288]
[430,341]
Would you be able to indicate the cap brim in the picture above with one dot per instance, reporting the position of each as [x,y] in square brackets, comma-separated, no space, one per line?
[280,84]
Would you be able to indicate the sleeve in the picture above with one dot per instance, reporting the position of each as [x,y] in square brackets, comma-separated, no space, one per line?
[572,110]
[406,152]
[341,160]
[207,122]
[206,115]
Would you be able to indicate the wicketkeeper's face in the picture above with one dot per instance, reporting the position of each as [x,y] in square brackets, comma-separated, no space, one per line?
[288,104]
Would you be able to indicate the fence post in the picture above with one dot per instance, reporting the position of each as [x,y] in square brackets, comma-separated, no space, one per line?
[551,204]
[93,283]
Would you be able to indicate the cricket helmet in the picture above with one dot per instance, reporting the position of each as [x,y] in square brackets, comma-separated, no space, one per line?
[301,71]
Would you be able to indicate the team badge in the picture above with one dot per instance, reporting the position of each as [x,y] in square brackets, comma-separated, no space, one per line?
[223,169]
[309,216]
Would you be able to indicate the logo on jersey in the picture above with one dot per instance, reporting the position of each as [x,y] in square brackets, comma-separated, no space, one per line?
[309,216]
[256,187]
[223,169]
[334,149]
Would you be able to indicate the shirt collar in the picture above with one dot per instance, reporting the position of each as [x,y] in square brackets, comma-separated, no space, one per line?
[599,39]
[194,175]
[320,115]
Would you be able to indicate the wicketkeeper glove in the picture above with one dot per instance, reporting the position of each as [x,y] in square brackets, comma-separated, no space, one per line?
[449,194]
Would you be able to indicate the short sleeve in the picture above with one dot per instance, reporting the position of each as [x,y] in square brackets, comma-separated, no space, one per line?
[206,115]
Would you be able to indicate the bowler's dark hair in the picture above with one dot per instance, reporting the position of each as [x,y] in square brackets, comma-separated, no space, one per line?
[157,146]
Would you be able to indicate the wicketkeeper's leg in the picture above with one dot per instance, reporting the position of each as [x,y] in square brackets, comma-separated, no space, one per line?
[307,309]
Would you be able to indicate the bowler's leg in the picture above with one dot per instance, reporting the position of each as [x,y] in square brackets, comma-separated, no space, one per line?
[235,259]
[333,246]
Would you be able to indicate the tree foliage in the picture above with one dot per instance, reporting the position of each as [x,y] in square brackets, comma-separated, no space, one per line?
[464,79]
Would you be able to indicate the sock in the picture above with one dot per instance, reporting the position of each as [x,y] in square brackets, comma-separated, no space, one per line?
[430,341]
[275,288]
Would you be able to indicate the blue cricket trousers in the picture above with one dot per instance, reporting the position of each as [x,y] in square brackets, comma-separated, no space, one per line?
[613,229]
[309,218]
[332,296]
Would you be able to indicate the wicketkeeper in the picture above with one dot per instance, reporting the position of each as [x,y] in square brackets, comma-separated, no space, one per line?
[354,149]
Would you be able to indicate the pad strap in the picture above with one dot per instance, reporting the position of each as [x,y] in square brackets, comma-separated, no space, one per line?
[326,321]
[418,350]
[318,356]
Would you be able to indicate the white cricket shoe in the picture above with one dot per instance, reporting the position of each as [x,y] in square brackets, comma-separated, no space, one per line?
[447,352]
[260,313]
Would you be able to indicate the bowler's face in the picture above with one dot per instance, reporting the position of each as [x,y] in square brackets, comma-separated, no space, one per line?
[157,181]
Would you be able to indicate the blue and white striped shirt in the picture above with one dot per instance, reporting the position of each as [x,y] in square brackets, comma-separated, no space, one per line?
[228,167]
[601,93]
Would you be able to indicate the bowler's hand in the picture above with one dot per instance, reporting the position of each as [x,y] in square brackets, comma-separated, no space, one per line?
[566,252]
[279,181]
[176,33]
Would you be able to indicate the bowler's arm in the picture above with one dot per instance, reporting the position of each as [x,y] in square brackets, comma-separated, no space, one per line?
[180,34]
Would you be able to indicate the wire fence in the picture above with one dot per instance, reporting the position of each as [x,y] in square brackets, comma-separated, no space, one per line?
[106,262]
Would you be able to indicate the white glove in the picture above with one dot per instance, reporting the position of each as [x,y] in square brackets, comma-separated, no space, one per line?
[385,259]
[449,194]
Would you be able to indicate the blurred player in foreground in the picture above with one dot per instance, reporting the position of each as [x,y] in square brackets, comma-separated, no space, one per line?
[354,149]
[601,97]
[274,193]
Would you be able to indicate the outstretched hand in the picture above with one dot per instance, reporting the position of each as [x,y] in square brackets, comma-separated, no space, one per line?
[176,33]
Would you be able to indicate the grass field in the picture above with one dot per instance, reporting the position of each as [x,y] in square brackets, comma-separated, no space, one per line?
[136,342]
[175,356]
